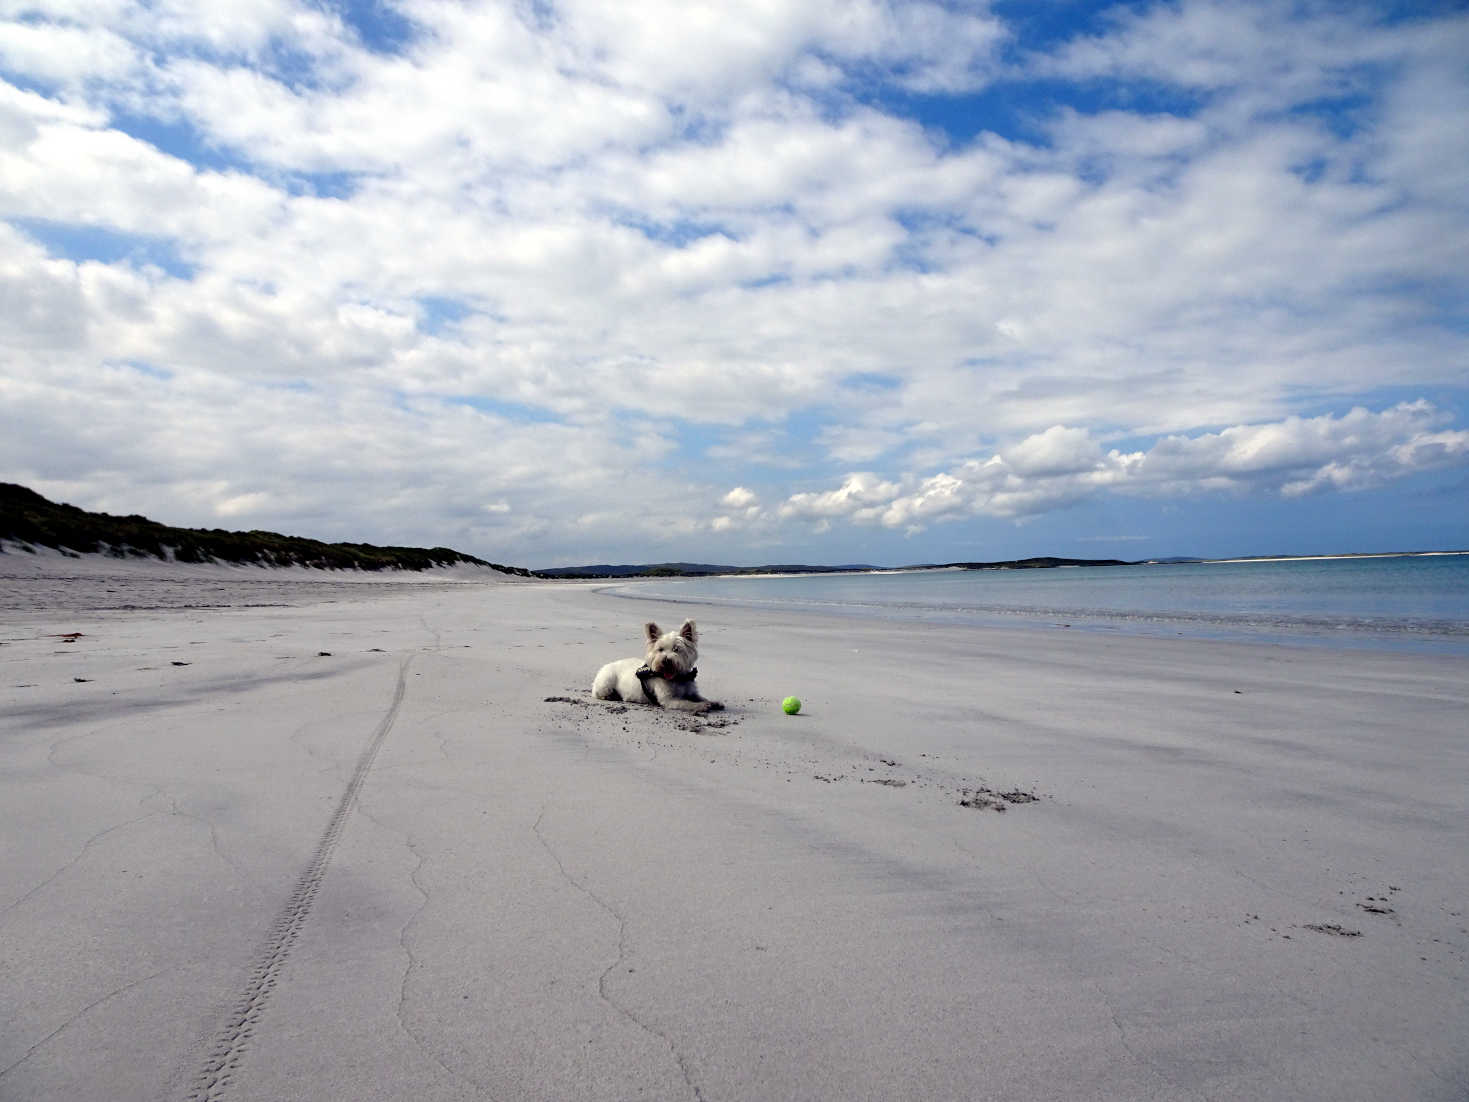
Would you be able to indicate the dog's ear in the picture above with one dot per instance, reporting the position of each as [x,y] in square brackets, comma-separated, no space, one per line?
[689,632]
[651,630]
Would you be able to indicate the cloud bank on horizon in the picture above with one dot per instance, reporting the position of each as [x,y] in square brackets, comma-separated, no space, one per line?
[561,281]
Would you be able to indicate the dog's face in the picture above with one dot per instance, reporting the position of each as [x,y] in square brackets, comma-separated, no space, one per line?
[672,654]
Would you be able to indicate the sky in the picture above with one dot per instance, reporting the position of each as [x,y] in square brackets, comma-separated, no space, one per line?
[557,282]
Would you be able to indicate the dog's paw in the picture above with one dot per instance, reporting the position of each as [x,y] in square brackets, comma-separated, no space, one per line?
[713,706]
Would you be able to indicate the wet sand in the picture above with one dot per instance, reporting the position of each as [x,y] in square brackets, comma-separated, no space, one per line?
[389,848]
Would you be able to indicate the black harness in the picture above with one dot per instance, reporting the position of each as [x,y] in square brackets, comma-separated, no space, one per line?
[645,674]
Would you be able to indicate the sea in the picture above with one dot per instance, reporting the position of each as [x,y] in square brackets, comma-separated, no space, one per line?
[1414,603]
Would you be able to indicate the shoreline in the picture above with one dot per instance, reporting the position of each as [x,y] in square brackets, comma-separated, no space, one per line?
[1317,558]
[75,585]
[1303,628]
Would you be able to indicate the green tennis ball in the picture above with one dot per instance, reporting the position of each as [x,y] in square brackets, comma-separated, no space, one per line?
[791,704]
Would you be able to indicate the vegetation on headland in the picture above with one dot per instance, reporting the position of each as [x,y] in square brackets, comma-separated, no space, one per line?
[1043,562]
[29,519]
[684,570]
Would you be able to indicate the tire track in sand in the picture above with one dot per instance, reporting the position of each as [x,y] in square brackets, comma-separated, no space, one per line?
[213,1080]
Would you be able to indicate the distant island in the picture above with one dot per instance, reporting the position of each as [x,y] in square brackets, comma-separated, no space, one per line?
[30,520]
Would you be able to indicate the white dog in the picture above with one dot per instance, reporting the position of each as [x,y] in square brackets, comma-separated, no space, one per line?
[665,676]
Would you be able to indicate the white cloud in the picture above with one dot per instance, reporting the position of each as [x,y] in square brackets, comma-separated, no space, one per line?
[701,49]
[66,171]
[713,221]
[1057,451]
[860,497]
[859,444]
[63,54]
[195,448]
[1359,450]
[1208,45]
[1355,451]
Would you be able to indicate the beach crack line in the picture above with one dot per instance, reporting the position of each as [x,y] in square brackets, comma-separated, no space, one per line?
[431,722]
[64,1026]
[1165,1081]
[233,1038]
[412,966]
[214,842]
[81,853]
[602,990]
[412,959]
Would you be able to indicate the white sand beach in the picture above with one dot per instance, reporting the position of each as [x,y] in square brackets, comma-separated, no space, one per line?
[351,850]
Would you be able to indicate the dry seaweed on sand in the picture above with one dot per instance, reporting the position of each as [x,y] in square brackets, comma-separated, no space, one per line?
[987,799]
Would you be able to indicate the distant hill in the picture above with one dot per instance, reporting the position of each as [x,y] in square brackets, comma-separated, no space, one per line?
[29,519]
[1044,562]
[704,570]
[684,570]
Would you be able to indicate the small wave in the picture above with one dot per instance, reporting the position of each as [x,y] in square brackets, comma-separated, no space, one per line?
[907,602]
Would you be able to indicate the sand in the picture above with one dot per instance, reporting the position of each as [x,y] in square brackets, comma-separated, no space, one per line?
[351,850]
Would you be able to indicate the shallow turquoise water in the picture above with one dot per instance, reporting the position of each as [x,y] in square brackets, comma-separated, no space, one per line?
[1394,602]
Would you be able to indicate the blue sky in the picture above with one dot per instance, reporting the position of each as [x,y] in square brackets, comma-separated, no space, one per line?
[813,280]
